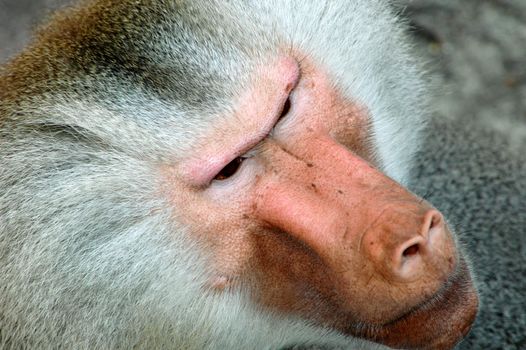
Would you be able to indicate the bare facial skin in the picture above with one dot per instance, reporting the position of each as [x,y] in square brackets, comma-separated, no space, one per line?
[301,216]
[221,175]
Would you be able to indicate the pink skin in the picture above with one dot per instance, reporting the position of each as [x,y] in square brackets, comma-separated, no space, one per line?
[258,115]
[311,227]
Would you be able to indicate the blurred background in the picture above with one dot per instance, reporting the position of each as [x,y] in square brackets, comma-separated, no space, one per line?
[475,151]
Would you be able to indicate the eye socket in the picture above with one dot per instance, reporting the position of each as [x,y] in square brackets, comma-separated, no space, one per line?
[230,169]
[286,109]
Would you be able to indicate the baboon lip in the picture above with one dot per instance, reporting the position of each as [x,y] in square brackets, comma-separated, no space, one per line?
[439,322]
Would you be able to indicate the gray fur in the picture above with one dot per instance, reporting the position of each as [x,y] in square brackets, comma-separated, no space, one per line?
[89,112]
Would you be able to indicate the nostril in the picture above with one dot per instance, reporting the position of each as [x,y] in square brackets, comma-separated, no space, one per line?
[432,221]
[410,251]
[407,263]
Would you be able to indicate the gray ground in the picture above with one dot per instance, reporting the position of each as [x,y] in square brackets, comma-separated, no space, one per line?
[476,148]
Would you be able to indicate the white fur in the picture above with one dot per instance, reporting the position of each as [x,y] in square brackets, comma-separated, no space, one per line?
[89,258]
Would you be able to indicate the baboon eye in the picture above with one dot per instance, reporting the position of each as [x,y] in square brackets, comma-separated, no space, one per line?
[286,109]
[230,169]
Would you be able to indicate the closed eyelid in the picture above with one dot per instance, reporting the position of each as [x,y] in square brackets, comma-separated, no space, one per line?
[258,111]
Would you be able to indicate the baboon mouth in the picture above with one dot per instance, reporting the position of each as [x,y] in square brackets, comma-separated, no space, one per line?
[443,319]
